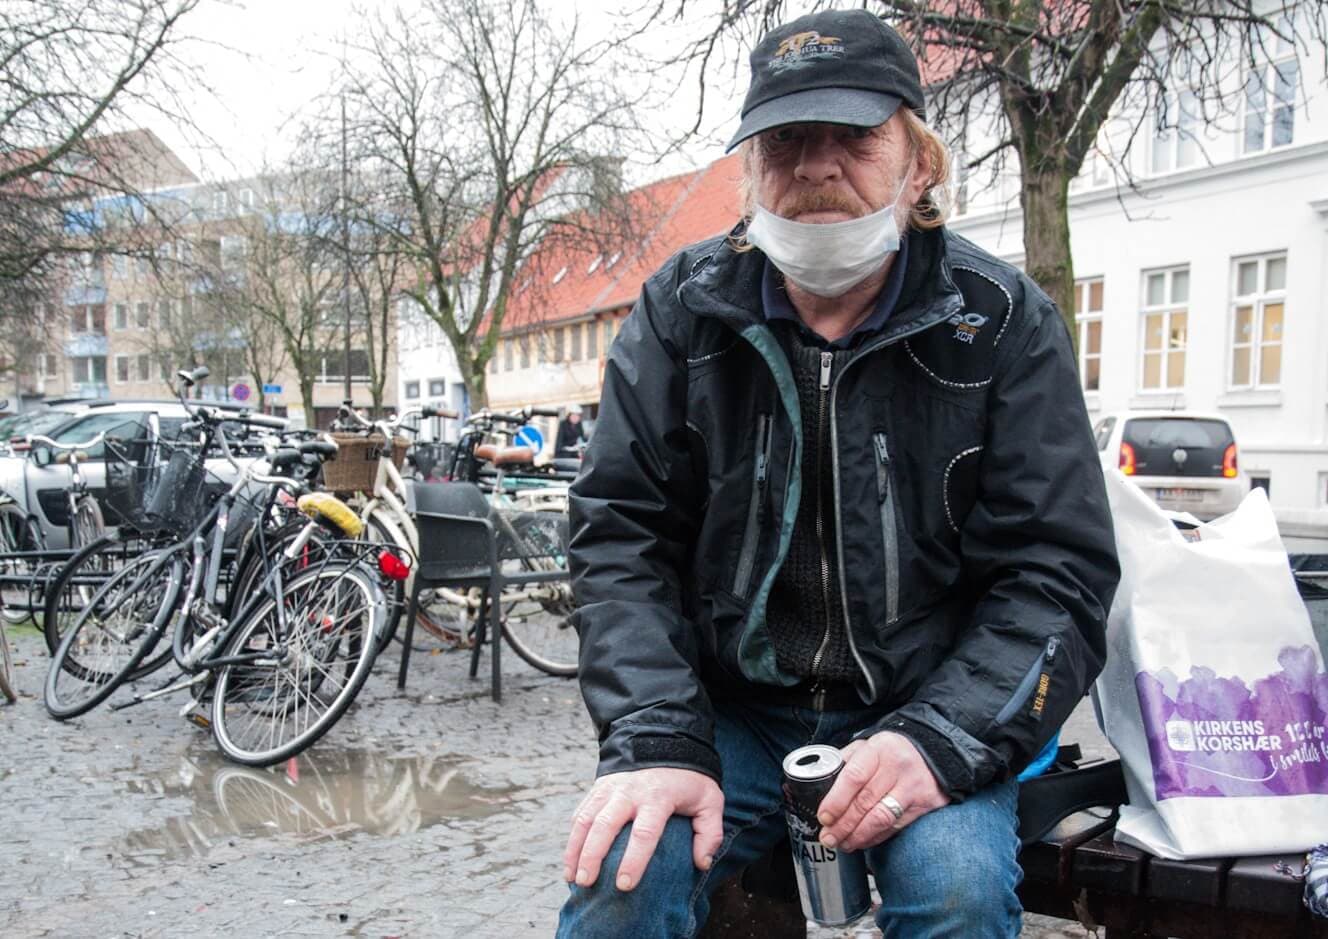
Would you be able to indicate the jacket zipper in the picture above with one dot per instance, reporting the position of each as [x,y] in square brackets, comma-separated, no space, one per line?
[1030,681]
[751,538]
[885,495]
[834,458]
[827,364]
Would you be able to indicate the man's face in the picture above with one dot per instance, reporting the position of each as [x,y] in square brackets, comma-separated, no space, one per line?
[574,418]
[822,173]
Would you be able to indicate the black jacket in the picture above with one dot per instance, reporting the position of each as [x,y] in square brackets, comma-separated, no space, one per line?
[975,543]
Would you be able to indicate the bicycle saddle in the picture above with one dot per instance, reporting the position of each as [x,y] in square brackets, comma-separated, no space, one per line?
[504,456]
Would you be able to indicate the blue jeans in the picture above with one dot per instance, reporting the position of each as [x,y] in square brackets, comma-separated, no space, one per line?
[952,872]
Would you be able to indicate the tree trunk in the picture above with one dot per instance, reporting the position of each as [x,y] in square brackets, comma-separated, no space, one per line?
[307,399]
[1047,257]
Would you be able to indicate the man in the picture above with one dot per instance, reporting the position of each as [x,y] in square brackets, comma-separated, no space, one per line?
[570,435]
[842,490]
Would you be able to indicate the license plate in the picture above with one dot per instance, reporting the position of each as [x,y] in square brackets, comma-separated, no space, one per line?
[1180,495]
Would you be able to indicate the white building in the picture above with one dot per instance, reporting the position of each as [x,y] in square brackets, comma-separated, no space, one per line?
[427,371]
[1206,288]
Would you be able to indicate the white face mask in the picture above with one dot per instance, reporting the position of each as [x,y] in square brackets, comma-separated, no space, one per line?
[827,259]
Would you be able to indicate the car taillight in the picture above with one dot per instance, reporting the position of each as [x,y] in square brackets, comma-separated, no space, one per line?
[392,567]
[1229,462]
[1127,459]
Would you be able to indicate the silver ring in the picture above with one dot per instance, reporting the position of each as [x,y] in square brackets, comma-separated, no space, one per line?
[892,804]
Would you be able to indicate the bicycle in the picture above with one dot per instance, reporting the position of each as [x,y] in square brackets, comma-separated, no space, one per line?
[520,517]
[280,671]
[85,522]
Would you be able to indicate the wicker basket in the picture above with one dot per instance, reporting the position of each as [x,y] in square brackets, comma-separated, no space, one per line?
[356,464]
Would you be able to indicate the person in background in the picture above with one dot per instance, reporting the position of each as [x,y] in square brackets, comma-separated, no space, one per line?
[571,435]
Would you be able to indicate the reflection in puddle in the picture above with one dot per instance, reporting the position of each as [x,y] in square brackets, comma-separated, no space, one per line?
[310,797]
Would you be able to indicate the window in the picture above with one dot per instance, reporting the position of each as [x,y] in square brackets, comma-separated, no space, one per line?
[1165,314]
[120,265]
[51,365]
[613,259]
[493,361]
[525,351]
[141,316]
[592,340]
[1257,310]
[122,316]
[542,348]
[334,366]
[562,272]
[127,426]
[559,345]
[412,389]
[89,369]
[144,371]
[90,318]
[164,313]
[1270,93]
[1088,316]
[122,369]
[1261,480]
[608,334]
[1175,140]
[437,388]
[594,265]
[507,354]
[219,201]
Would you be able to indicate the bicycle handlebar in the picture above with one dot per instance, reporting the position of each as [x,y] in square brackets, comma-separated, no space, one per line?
[85,445]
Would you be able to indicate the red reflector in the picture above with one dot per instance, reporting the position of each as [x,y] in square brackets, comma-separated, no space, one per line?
[392,567]
[1127,459]
[1229,462]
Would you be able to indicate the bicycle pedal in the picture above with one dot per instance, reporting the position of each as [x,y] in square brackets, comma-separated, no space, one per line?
[199,720]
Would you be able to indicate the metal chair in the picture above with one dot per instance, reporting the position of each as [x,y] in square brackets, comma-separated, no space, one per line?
[464,544]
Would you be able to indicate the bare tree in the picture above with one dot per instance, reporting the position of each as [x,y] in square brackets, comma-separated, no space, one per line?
[68,72]
[377,279]
[283,282]
[1041,81]
[484,127]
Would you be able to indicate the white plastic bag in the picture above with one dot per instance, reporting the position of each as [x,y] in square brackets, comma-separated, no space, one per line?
[1214,691]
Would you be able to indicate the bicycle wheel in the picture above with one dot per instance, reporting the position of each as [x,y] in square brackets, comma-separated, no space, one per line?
[6,668]
[74,584]
[19,531]
[88,524]
[254,567]
[311,653]
[113,634]
[540,630]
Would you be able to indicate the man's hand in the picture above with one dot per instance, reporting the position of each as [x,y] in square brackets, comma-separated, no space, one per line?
[647,798]
[851,814]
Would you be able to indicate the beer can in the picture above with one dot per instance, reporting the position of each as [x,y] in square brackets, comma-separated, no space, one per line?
[832,883]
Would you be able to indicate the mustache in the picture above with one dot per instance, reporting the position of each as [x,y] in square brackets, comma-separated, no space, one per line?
[819,200]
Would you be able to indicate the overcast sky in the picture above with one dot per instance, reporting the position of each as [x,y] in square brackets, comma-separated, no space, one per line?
[265,59]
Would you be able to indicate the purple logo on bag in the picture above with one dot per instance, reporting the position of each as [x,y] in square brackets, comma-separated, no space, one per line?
[1213,736]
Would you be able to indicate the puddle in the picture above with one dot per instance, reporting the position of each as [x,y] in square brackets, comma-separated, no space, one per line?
[328,795]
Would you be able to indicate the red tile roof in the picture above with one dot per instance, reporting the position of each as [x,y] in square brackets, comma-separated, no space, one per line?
[670,214]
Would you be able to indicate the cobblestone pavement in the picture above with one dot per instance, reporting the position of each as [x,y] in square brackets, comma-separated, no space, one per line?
[430,813]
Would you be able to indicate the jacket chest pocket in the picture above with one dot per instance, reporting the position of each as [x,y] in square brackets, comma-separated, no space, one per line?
[751,536]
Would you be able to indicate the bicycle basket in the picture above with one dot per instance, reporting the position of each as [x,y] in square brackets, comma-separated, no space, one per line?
[355,466]
[175,495]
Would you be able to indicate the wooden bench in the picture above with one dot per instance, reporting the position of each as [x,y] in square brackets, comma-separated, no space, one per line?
[1076,871]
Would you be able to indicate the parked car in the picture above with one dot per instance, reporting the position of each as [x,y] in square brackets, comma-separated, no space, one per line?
[1186,461]
[16,427]
[39,484]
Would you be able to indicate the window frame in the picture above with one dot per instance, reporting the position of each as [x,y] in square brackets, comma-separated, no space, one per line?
[1258,301]
[1271,66]
[1167,309]
[121,359]
[1083,318]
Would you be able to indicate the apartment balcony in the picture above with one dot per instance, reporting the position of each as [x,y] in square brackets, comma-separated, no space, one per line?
[90,389]
[89,294]
[83,345]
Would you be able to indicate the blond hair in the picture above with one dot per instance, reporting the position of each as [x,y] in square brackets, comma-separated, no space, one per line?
[930,211]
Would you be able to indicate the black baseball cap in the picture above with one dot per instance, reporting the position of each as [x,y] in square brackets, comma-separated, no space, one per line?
[834,67]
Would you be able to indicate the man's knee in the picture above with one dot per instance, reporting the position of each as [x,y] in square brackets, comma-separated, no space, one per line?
[953,872]
[659,905]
